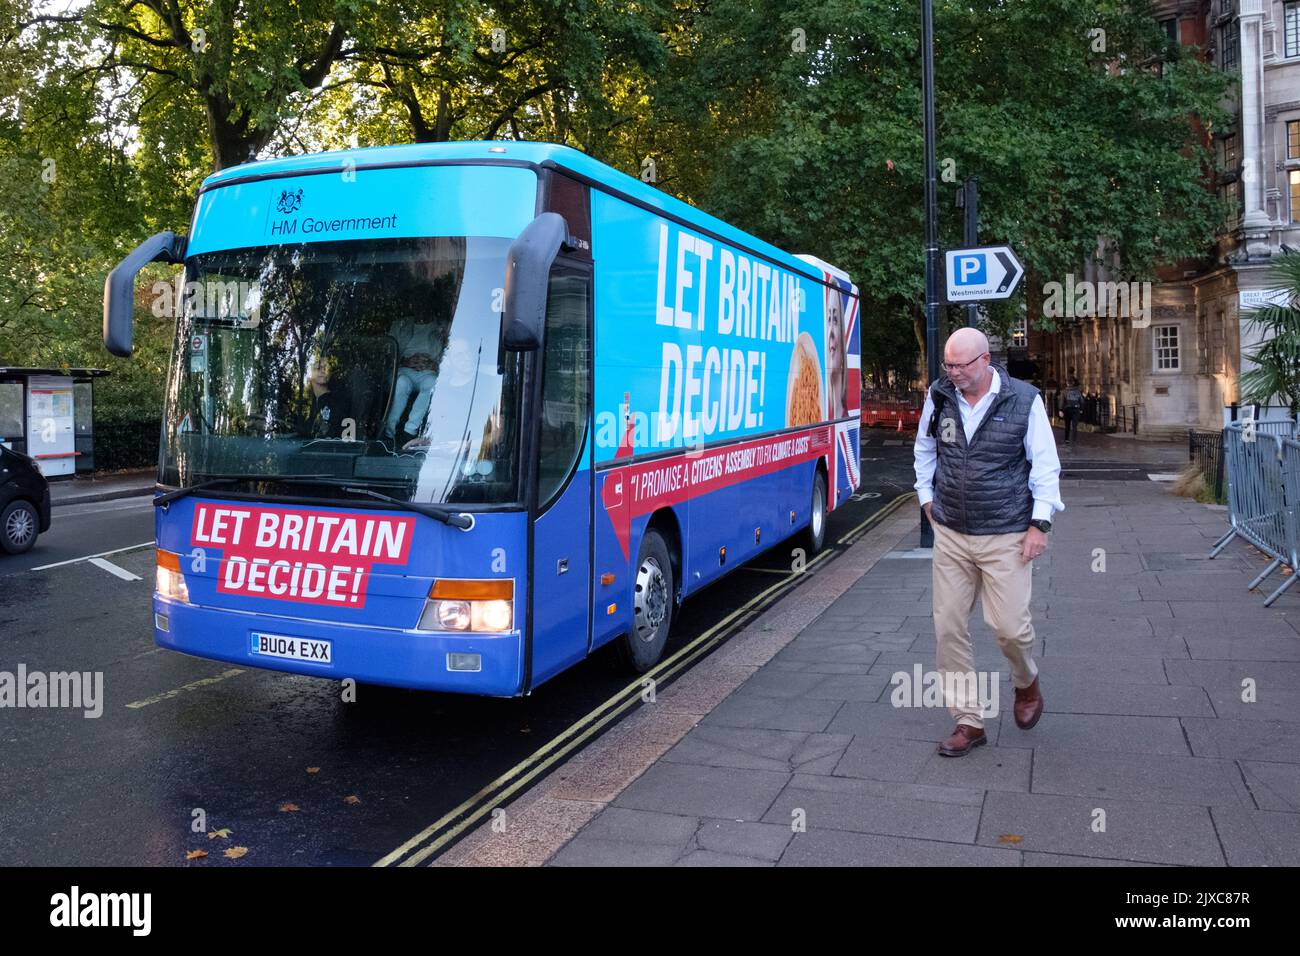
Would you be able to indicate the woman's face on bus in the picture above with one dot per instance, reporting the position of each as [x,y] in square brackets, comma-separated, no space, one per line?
[834,333]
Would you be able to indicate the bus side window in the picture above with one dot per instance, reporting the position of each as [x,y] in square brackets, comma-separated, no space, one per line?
[566,386]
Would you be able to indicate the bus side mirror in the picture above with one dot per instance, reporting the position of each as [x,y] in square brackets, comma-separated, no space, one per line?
[119,287]
[528,272]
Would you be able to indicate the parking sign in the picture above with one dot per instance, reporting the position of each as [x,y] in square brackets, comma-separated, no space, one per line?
[989,272]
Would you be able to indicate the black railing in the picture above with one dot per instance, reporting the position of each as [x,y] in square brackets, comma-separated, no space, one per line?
[1126,418]
[1095,411]
[1205,449]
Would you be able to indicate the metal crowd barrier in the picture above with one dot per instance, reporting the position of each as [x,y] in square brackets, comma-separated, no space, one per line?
[1264,495]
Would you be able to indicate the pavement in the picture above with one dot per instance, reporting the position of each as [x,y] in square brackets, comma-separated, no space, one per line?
[1169,736]
[93,488]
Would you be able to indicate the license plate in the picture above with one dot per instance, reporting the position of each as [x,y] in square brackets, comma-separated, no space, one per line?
[291,648]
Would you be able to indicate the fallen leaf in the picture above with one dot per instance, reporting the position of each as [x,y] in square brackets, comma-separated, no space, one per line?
[235,852]
[313,769]
[289,808]
[224,833]
[352,801]
[196,854]
[1010,838]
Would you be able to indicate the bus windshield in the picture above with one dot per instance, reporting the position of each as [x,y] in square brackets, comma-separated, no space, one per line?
[365,366]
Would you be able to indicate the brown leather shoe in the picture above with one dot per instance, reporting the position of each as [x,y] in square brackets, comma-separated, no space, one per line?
[964,739]
[1029,705]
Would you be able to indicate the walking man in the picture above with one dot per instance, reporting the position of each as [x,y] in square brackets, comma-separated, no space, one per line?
[987,475]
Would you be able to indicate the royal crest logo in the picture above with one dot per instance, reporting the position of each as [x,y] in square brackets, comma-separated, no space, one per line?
[289,201]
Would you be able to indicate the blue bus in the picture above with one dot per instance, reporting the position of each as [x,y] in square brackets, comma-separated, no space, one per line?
[453,416]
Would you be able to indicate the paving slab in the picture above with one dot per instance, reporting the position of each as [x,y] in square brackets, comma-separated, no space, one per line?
[1170,737]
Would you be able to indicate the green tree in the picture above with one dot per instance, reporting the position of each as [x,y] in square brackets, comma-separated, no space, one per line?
[111,114]
[801,121]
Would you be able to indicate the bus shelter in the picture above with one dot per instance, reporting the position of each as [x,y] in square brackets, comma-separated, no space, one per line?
[48,414]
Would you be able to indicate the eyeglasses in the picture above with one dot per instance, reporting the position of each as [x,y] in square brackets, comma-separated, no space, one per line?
[953,366]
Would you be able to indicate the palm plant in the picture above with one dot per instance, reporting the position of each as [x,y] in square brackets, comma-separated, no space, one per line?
[1277,357]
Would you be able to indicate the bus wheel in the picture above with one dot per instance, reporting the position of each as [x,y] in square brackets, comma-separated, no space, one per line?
[815,536]
[18,524]
[652,606]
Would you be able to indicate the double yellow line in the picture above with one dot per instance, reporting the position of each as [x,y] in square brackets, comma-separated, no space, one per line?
[456,821]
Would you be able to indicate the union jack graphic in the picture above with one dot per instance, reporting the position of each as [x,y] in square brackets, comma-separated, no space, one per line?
[845,469]
[849,447]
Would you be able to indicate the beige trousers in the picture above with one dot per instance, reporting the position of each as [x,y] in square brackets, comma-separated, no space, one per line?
[987,566]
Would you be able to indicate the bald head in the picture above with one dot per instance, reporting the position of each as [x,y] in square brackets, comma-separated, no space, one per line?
[964,344]
[966,359]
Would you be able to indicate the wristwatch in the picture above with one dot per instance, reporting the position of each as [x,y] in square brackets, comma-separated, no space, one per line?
[1042,524]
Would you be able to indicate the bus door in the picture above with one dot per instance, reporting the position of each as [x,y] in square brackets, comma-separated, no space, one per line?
[561,571]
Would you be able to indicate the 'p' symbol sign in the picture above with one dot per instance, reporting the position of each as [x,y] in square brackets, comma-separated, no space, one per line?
[971,270]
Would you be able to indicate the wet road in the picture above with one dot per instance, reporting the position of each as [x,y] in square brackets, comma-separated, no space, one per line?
[187,746]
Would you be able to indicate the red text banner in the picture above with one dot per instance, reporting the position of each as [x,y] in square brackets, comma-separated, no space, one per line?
[312,557]
[639,489]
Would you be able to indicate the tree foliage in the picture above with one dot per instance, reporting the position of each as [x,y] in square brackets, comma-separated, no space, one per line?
[797,120]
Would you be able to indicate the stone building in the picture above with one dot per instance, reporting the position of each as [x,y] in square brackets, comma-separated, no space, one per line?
[1177,363]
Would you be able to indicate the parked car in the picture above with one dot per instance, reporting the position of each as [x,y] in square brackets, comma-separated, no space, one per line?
[24,502]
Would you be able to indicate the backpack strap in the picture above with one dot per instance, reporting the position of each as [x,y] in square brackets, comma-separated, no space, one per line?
[933,428]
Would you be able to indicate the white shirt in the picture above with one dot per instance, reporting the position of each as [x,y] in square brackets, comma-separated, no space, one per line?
[1040,449]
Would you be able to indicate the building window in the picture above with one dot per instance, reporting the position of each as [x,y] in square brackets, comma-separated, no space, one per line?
[1166,348]
[1231,160]
[1291,14]
[1229,40]
[1020,333]
[1231,196]
[1294,178]
[1170,27]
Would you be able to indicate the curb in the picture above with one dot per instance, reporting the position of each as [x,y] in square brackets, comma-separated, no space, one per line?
[550,814]
[94,497]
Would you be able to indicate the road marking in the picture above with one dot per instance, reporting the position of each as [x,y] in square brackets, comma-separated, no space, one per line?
[114,570]
[1164,477]
[770,571]
[193,685]
[621,701]
[91,557]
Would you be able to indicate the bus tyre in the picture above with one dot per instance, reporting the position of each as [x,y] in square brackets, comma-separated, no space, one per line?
[652,605]
[19,524]
[815,536]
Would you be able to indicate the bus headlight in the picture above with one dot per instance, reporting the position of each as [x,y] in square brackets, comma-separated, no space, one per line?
[446,616]
[169,581]
[492,615]
[469,605]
